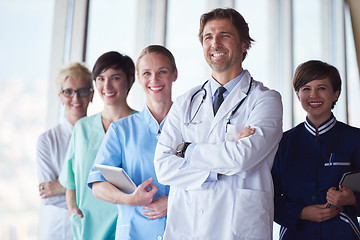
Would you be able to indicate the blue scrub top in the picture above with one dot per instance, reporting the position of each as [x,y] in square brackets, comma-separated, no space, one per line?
[130,144]
[307,164]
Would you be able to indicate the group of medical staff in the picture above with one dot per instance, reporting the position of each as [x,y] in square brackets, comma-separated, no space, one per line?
[213,164]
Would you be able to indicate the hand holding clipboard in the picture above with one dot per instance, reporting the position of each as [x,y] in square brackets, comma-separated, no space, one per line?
[350,180]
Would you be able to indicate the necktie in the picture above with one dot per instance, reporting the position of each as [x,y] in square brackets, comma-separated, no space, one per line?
[219,99]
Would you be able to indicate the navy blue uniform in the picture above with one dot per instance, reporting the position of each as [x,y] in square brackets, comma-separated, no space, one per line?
[306,165]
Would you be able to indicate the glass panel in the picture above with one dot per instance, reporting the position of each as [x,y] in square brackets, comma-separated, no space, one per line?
[112,27]
[25,57]
[258,60]
[182,40]
[308,41]
[353,84]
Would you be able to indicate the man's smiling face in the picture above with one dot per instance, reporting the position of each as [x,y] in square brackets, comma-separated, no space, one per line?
[222,46]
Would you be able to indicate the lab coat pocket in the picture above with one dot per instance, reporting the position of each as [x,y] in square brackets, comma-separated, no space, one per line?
[232,130]
[253,214]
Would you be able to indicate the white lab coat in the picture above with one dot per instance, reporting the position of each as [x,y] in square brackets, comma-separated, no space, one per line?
[239,204]
[51,150]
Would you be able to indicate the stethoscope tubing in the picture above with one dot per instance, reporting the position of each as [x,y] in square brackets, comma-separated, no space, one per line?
[203,99]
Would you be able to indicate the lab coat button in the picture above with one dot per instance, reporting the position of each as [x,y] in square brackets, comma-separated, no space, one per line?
[313,198]
[159,238]
[201,211]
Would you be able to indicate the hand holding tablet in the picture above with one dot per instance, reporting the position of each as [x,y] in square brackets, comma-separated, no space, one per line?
[117,177]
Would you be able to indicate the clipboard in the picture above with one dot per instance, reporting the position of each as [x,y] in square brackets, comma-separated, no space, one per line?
[351,180]
[117,177]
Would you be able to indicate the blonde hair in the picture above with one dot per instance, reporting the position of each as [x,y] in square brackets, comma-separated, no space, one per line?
[159,50]
[73,70]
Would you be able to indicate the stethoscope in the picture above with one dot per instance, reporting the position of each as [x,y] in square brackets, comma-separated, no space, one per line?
[230,116]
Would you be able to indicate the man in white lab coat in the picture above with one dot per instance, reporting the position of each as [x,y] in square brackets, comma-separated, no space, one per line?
[221,187]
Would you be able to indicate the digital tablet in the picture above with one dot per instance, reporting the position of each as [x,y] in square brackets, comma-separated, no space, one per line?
[351,180]
[117,177]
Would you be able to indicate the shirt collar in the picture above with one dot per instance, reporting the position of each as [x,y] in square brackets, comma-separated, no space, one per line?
[214,85]
[323,128]
[151,122]
[68,125]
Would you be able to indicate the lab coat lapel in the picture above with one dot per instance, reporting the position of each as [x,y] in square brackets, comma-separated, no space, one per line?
[231,101]
[208,105]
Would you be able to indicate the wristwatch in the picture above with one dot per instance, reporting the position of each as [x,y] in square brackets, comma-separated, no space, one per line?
[181,148]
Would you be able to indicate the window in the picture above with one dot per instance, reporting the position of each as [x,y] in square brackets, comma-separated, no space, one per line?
[25,54]
[182,40]
[307,41]
[283,40]
[353,84]
[112,27]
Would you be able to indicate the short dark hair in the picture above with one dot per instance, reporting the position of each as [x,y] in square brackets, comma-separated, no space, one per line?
[316,70]
[115,60]
[236,19]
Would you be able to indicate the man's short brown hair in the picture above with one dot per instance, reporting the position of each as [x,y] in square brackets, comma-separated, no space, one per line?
[236,19]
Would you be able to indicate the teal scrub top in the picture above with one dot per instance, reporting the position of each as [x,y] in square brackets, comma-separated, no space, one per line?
[99,217]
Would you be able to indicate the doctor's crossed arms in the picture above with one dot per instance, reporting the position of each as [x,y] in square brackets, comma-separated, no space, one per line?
[219,141]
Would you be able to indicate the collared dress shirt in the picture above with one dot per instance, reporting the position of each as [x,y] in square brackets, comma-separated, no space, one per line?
[130,144]
[307,164]
[214,85]
[239,203]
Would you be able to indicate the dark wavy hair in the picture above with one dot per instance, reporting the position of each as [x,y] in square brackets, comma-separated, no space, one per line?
[236,19]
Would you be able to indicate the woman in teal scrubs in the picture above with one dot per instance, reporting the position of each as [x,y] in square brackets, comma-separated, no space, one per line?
[130,144]
[92,218]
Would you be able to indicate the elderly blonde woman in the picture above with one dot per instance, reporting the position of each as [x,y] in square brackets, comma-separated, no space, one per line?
[75,90]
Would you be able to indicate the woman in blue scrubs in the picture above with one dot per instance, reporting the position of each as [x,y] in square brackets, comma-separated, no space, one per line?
[130,144]
[311,159]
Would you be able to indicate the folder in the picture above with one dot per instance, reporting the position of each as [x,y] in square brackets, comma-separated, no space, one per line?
[351,180]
